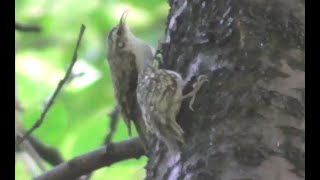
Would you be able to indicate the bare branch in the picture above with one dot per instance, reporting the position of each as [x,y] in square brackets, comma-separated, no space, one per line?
[27,28]
[57,90]
[94,160]
[47,153]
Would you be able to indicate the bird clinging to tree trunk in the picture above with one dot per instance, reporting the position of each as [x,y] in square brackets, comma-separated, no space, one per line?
[126,57]
[160,96]
[159,91]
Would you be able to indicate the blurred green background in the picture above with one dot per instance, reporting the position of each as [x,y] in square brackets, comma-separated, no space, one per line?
[78,121]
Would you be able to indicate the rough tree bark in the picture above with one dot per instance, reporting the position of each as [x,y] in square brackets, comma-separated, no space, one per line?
[249,120]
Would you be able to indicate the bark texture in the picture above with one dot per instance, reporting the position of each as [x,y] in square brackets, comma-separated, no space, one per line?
[249,120]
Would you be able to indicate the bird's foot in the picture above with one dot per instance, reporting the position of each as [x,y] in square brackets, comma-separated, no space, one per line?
[196,87]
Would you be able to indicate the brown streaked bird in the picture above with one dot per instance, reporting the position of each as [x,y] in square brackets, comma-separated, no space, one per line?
[126,56]
[160,96]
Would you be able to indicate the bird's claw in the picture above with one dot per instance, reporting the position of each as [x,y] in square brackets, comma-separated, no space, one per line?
[190,106]
[197,85]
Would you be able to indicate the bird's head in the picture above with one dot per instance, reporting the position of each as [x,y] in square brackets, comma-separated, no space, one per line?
[120,36]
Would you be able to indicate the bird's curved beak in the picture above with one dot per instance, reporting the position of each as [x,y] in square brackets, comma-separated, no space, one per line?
[123,19]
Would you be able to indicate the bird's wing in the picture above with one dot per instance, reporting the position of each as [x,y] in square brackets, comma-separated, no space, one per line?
[125,84]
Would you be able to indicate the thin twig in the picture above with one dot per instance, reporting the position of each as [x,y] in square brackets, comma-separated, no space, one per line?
[57,90]
[34,155]
[114,117]
[27,28]
[94,160]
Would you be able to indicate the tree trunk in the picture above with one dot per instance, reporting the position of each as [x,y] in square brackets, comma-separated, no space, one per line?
[249,120]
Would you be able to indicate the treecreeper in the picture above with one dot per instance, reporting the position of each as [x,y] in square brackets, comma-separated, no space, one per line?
[146,95]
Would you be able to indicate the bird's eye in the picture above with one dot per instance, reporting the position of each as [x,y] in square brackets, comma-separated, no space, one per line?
[120,44]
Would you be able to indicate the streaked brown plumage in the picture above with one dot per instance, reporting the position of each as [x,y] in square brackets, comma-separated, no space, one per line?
[160,95]
[126,57]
